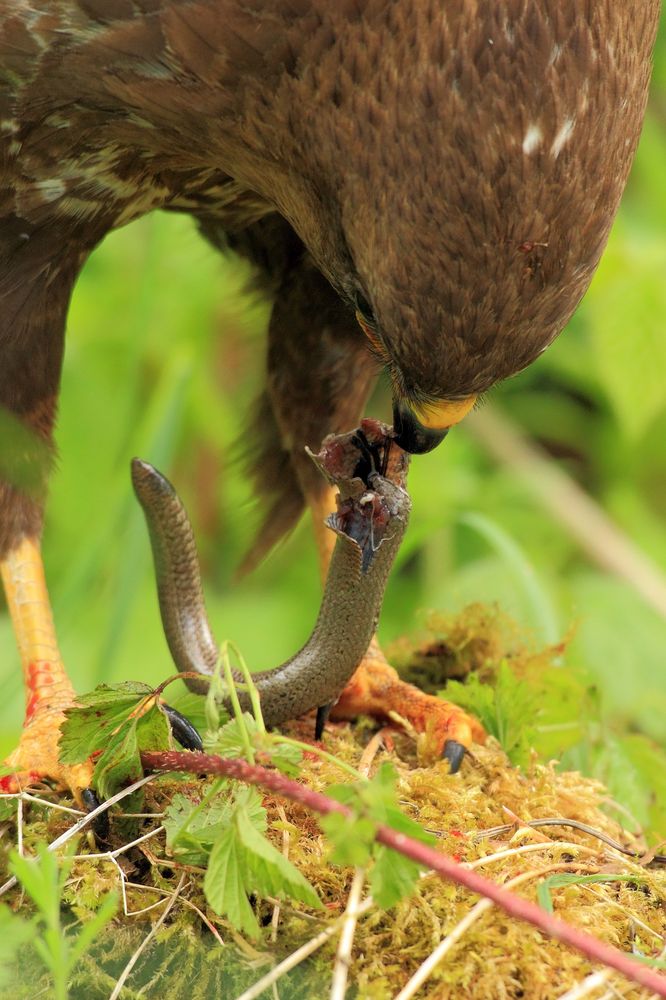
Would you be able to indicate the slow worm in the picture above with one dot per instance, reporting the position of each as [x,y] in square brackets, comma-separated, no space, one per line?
[369,471]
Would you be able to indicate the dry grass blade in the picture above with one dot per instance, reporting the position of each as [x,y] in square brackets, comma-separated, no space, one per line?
[37,800]
[350,917]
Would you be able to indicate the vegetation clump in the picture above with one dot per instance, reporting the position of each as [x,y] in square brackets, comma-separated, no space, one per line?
[176,932]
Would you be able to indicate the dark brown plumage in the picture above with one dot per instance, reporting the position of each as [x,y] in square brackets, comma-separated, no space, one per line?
[454,166]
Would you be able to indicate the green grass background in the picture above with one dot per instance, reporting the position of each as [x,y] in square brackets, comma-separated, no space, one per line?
[164,355]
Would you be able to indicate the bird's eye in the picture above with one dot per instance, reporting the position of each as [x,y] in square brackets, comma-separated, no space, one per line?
[364,310]
[368,323]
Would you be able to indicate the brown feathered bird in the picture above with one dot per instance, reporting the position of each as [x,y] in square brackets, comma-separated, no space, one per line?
[447,172]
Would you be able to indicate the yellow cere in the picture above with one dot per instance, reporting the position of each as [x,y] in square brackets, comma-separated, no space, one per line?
[444,414]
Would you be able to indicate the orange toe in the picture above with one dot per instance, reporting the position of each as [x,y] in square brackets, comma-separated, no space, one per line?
[35,759]
[376,689]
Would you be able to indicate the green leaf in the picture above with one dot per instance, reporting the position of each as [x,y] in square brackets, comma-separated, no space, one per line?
[373,795]
[347,795]
[351,838]
[224,883]
[397,820]
[372,802]
[286,758]
[203,819]
[268,872]
[248,798]
[228,741]
[378,794]
[507,709]
[192,828]
[8,805]
[243,861]
[42,878]
[120,762]
[153,731]
[392,878]
[124,692]
[88,726]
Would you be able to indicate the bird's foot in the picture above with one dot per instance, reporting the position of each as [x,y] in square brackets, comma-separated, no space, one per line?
[441,728]
[35,759]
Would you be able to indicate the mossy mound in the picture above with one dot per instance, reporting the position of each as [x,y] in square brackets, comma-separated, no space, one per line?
[495,957]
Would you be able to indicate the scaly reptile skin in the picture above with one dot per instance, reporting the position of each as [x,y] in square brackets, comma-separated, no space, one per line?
[372,516]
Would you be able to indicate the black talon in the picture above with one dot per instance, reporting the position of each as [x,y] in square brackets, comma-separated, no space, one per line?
[323,713]
[100,825]
[182,729]
[375,456]
[371,460]
[454,753]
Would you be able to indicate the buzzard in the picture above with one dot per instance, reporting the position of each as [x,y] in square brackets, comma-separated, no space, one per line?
[422,184]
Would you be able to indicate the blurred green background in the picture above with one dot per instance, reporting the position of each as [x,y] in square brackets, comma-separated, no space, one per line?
[164,356]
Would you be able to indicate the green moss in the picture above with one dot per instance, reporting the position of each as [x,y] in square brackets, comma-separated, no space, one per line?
[496,957]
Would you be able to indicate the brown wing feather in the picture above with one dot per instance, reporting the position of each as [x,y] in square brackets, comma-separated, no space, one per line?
[319,372]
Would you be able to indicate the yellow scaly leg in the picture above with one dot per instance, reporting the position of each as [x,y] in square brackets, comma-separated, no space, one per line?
[49,690]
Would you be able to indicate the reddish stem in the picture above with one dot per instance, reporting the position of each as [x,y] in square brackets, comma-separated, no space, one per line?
[515,906]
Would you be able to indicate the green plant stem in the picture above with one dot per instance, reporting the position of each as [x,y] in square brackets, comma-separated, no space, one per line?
[235,703]
[250,686]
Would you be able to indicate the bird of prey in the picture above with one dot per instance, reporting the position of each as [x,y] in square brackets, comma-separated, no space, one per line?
[426,185]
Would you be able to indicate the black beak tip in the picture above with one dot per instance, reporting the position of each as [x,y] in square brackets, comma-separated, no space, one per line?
[411,435]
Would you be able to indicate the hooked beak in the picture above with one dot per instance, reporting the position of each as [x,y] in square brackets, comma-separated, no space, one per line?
[419,429]
[412,436]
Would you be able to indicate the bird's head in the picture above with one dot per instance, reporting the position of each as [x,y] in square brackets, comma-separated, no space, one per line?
[421,421]
[455,291]
[472,163]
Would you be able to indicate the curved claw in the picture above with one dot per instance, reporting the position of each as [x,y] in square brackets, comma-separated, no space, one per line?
[100,825]
[454,753]
[182,729]
[323,713]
